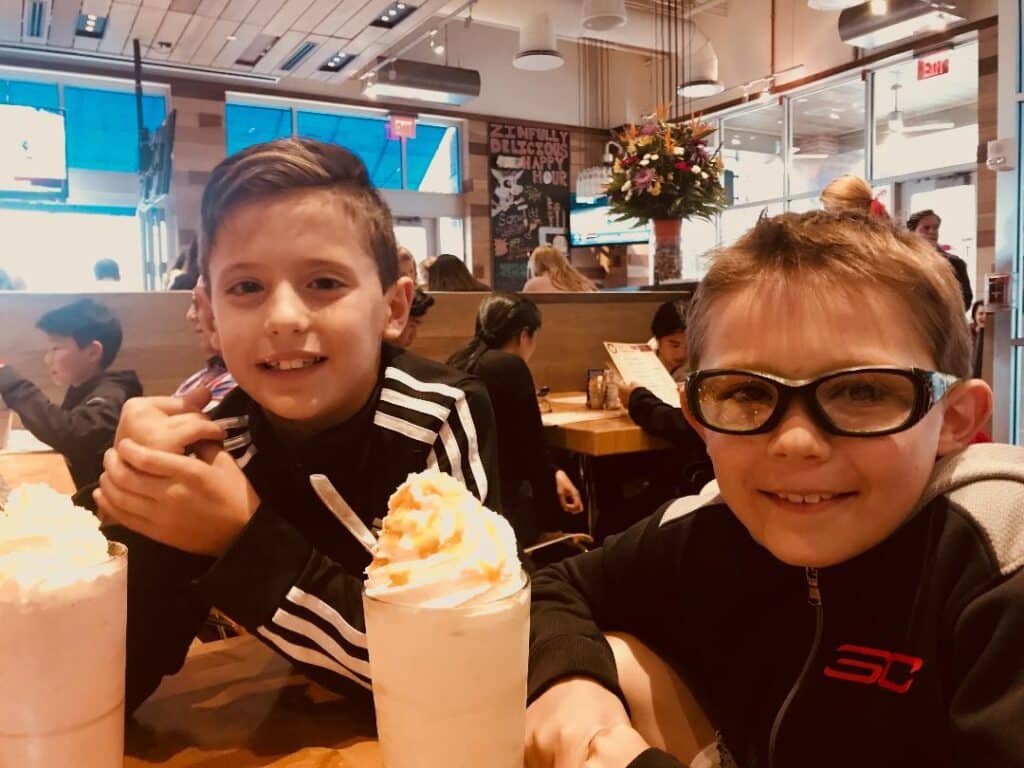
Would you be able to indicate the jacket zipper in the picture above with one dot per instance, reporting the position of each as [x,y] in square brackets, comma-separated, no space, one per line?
[814,598]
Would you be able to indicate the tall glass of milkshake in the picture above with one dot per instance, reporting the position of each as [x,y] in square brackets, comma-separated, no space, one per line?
[447,610]
[63,597]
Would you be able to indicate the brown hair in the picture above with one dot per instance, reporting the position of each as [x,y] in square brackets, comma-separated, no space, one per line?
[830,253]
[278,167]
[548,260]
[851,194]
[450,273]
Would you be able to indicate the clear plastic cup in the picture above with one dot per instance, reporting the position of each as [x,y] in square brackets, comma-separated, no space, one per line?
[62,666]
[449,684]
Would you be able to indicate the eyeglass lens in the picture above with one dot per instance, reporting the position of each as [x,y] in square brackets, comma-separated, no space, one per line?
[860,401]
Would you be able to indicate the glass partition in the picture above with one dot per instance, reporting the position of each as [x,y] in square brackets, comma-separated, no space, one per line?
[828,136]
[923,124]
[752,150]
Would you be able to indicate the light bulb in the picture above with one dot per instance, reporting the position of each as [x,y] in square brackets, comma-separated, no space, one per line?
[879,7]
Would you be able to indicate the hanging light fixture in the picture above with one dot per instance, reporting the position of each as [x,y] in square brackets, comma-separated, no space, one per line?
[602,15]
[537,51]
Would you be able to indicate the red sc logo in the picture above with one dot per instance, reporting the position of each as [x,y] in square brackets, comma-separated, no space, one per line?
[872,666]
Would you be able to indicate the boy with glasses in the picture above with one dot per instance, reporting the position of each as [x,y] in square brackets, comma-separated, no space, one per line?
[851,591]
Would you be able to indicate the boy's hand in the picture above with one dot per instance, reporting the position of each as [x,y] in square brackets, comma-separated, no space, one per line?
[197,505]
[168,423]
[573,719]
[615,747]
[568,494]
[626,389]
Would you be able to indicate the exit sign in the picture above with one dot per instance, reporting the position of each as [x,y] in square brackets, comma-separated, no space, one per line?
[401,127]
[928,68]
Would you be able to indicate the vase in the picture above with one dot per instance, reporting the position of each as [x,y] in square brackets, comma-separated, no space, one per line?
[668,259]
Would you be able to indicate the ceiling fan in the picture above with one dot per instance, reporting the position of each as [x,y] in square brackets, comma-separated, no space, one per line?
[898,126]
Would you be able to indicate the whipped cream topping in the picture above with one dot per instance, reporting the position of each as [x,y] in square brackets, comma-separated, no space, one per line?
[440,547]
[46,542]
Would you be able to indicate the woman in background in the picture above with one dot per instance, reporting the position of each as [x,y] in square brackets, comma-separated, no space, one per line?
[852,194]
[532,490]
[449,273]
[926,223]
[551,272]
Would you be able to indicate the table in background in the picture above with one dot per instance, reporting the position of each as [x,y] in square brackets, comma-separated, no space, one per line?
[237,704]
[26,460]
[594,435]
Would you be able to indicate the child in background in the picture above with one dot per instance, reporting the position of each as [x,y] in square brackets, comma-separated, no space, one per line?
[299,263]
[84,339]
[215,376]
[852,592]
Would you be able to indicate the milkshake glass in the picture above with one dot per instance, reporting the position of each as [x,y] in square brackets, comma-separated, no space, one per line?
[62,665]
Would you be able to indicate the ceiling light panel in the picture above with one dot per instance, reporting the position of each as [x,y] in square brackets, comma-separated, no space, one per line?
[393,15]
[90,25]
[337,62]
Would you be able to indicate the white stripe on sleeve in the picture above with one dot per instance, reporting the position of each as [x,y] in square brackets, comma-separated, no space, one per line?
[315,605]
[308,629]
[309,656]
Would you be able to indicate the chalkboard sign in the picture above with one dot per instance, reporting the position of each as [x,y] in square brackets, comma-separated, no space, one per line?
[529,182]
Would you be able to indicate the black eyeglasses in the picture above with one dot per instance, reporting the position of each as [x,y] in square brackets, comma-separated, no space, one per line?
[853,402]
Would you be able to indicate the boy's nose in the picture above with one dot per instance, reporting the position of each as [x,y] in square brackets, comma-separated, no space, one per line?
[798,436]
[286,312]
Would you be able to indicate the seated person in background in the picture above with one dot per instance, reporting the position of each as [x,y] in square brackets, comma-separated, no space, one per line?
[532,489]
[214,377]
[106,271]
[551,272]
[668,337]
[185,274]
[852,593]
[421,302]
[407,264]
[852,194]
[449,273]
[300,267]
[84,338]
[926,223]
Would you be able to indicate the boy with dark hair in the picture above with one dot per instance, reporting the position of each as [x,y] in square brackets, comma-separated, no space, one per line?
[84,338]
[299,262]
[851,591]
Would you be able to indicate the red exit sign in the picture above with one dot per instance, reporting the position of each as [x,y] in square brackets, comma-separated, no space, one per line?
[927,68]
[401,127]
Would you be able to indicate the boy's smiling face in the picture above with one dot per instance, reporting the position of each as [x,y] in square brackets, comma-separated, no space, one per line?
[875,482]
[299,309]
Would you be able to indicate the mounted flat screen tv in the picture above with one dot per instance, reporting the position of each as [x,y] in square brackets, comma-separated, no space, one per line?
[33,154]
[591,223]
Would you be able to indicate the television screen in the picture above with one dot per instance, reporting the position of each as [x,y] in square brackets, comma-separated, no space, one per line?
[593,224]
[33,157]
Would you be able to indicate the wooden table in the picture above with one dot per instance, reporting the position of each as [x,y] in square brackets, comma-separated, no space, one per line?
[28,461]
[609,436]
[237,704]
[592,438]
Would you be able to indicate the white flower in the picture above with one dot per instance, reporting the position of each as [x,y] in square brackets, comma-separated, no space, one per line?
[626,186]
[679,151]
[645,162]
[695,169]
[653,157]
[703,175]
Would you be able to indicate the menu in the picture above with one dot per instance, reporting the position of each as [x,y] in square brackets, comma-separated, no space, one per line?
[639,363]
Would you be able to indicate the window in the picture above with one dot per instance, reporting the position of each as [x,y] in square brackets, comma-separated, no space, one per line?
[828,136]
[246,125]
[736,221]
[752,150]
[432,159]
[366,137]
[102,127]
[29,94]
[923,125]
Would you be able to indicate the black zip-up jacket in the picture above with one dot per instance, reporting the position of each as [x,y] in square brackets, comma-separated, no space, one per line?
[912,655]
[294,575]
[83,426]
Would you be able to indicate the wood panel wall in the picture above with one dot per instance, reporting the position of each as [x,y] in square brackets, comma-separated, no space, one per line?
[988,115]
[160,346]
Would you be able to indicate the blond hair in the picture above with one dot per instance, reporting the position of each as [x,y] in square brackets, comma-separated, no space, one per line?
[265,171]
[548,260]
[829,253]
[851,194]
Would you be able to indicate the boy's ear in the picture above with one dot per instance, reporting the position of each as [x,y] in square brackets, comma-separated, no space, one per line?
[696,425]
[94,351]
[204,311]
[968,406]
[399,301]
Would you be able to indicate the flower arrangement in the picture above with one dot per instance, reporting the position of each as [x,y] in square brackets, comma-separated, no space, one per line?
[665,171]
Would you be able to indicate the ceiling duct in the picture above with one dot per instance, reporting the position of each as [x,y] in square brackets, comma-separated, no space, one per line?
[700,65]
[419,81]
[862,27]
[602,15]
[537,51]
